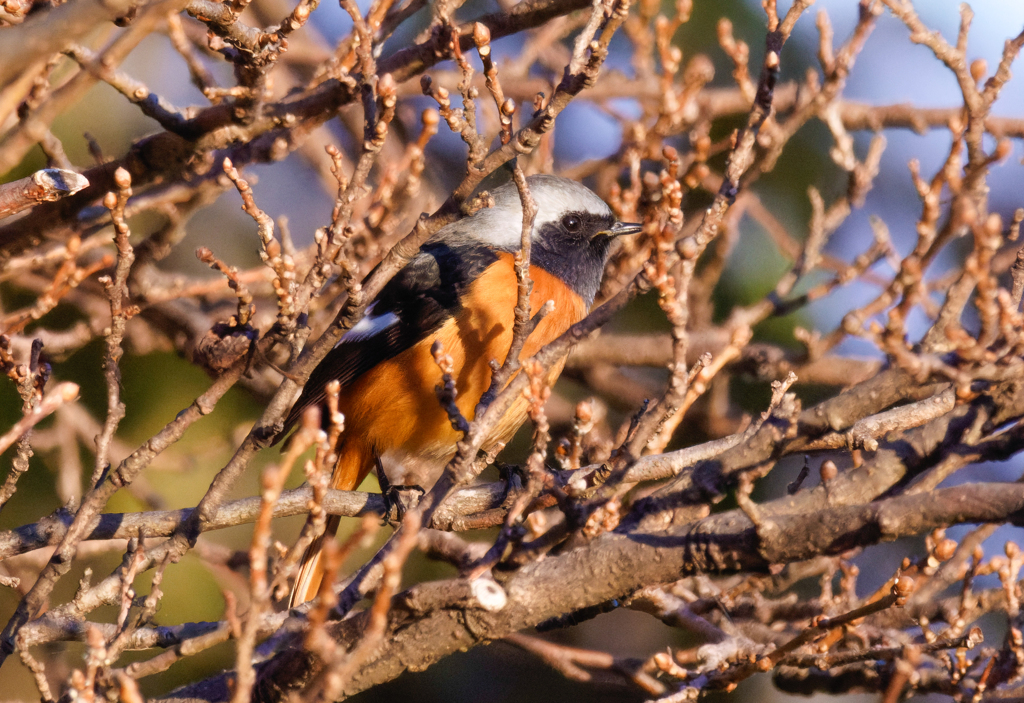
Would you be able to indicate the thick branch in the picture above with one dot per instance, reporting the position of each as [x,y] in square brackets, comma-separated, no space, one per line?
[431,621]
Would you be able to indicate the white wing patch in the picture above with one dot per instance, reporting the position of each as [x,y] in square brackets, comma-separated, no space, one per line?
[370,326]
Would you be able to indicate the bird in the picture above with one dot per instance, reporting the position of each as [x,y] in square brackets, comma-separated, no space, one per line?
[460,290]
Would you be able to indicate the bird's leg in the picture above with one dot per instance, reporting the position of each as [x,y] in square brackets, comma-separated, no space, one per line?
[395,506]
[513,478]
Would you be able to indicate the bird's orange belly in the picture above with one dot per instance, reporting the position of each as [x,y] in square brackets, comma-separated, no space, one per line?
[393,410]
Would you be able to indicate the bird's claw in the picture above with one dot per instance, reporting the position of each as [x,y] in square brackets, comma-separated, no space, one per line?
[512,477]
[395,503]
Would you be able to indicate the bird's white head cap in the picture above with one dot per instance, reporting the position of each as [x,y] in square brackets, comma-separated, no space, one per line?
[501,225]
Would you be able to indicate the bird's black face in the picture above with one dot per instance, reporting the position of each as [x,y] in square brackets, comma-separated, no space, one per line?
[579,227]
[575,248]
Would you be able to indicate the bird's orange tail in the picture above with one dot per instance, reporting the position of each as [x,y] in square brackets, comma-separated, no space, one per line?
[311,573]
[353,466]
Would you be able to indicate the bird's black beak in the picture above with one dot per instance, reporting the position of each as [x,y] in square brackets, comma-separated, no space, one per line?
[621,228]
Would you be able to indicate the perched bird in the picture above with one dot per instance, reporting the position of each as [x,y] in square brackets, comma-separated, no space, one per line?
[460,289]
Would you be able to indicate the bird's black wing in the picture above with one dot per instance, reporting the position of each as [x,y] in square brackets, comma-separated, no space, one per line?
[413,304]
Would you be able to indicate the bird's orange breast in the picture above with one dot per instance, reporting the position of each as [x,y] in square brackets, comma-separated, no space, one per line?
[394,407]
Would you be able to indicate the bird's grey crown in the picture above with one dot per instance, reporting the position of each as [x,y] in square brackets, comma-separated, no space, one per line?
[501,226]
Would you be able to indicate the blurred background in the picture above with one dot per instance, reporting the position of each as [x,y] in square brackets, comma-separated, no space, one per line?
[890,70]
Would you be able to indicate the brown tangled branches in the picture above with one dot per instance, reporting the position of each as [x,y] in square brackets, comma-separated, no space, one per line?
[652,485]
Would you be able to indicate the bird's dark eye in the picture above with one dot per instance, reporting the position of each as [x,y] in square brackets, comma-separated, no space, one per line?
[572,223]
